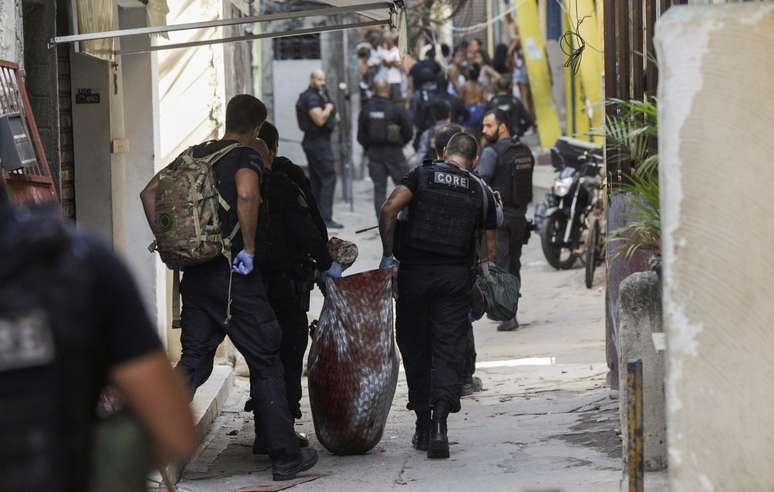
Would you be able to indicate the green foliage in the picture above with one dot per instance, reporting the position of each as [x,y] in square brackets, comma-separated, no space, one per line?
[643,224]
[632,138]
[631,135]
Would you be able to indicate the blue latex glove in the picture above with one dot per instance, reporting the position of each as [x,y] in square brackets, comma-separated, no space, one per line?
[387,262]
[334,271]
[243,263]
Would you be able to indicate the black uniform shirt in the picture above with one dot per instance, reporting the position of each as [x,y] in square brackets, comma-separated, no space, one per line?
[413,256]
[225,175]
[309,100]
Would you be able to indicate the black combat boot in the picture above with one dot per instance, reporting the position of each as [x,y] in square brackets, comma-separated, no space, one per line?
[439,441]
[421,439]
[283,470]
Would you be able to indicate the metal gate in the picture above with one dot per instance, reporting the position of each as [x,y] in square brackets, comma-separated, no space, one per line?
[31,183]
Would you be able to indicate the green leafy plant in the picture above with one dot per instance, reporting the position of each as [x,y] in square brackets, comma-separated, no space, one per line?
[632,138]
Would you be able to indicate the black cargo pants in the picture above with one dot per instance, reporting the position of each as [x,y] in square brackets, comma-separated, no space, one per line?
[432,332]
[385,161]
[254,331]
[322,173]
[510,239]
[290,306]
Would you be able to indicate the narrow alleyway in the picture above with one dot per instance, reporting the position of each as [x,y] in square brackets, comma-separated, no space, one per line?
[544,421]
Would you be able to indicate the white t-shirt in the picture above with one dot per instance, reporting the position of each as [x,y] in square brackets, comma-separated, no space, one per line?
[392,75]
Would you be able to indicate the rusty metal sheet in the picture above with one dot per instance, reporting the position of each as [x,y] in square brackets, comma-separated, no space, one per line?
[353,363]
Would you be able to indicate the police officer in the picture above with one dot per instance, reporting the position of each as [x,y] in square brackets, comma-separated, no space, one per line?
[71,322]
[445,207]
[470,383]
[516,114]
[317,117]
[298,247]
[383,130]
[212,290]
[507,166]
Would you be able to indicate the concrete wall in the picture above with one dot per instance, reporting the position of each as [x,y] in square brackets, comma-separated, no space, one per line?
[640,317]
[715,147]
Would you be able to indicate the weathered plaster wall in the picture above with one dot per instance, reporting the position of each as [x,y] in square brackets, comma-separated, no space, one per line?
[11,31]
[716,114]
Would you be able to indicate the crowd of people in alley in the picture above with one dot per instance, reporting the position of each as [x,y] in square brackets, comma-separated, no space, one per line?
[465,77]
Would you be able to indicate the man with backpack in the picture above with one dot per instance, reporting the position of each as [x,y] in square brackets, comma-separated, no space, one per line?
[223,293]
[507,166]
[298,250]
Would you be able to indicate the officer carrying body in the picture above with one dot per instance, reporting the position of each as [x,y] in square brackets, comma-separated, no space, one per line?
[507,166]
[437,253]
[298,247]
[383,130]
[316,117]
[519,118]
[214,290]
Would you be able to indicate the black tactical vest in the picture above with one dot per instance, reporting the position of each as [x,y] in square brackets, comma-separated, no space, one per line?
[445,211]
[513,174]
[48,357]
[279,191]
[383,123]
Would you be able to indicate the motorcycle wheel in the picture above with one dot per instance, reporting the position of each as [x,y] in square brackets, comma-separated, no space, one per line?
[591,253]
[552,230]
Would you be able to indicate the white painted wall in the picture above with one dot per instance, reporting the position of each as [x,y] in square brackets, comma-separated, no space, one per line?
[141,126]
[191,81]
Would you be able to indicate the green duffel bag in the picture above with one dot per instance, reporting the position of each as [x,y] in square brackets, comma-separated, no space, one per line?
[495,292]
[122,456]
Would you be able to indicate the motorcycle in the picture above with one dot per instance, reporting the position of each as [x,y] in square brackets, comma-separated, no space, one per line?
[563,220]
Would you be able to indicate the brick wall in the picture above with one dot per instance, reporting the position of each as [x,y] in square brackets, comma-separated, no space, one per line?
[66,156]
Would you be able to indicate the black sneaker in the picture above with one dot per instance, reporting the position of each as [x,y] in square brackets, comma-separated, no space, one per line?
[332,224]
[283,470]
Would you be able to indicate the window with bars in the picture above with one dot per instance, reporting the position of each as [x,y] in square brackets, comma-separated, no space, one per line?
[303,47]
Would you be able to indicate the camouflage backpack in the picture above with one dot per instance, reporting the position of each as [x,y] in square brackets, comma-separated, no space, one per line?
[188,229]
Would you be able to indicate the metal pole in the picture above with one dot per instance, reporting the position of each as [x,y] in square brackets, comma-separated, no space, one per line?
[279,34]
[221,22]
[347,149]
[635,465]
